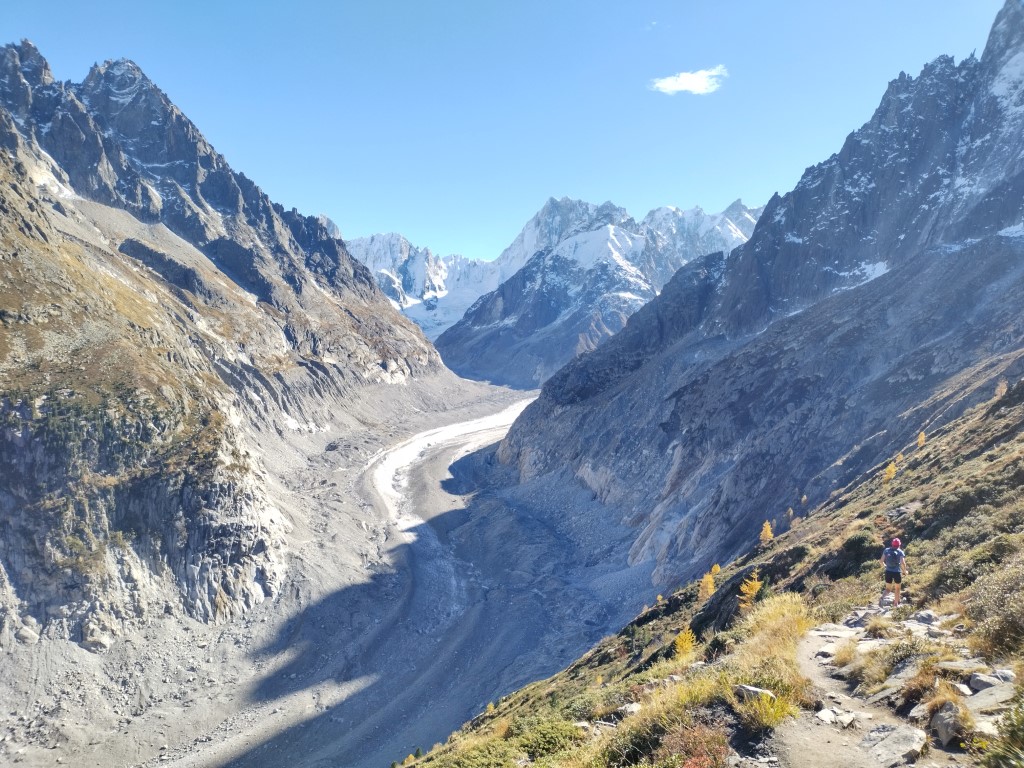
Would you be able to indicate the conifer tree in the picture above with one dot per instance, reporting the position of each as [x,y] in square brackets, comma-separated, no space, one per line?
[716,569]
[766,534]
[707,587]
[749,590]
[684,643]
[921,440]
[890,472]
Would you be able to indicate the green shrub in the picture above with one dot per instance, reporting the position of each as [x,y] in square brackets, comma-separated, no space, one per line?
[539,736]
[996,604]
[491,754]
[1008,750]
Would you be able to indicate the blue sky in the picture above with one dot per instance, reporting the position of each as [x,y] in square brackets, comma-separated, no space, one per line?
[453,121]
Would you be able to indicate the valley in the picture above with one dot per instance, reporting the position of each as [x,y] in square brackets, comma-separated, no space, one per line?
[271,498]
[470,593]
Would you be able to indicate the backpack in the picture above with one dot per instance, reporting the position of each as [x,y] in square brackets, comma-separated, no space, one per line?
[893,558]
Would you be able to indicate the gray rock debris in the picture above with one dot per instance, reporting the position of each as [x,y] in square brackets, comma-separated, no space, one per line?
[991,700]
[980,682]
[948,724]
[895,745]
[747,692]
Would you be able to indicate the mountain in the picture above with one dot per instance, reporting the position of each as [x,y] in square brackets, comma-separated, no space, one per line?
[878,298]
[585,270]
[954,500]
[432,291]
[165,328]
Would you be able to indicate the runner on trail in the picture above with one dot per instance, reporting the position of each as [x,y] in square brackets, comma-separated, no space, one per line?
[895,561]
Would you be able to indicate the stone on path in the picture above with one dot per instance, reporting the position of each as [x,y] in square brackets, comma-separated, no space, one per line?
[964,667]
[925,617]
[980,682]
[991,700]
[948,723]
[847,719]
[1006,675]
[894,745]
[826,716]
[828,650]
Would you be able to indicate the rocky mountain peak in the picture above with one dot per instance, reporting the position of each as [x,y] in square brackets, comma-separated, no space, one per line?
[33,67]
[1006,40]
[122,76]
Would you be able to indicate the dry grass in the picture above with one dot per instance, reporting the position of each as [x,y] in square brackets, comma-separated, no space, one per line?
[880,627]
[765,712]
[845,654]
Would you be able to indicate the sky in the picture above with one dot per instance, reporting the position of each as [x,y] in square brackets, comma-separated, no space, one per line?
[453,121]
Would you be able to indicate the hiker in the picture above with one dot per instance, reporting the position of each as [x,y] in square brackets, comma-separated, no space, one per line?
[895,561]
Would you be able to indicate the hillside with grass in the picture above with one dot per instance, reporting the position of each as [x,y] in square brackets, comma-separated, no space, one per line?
[676,686]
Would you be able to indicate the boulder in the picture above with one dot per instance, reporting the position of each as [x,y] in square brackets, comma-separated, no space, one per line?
[991,700]
[844,673]
[885,693]
[987,727]
[964,667]
[26,636]
[925,617]
[847,719]
[747,692]
[1006,675]
[918,714]
[949,724]
[980,682]
[826,716]
[95,640]
[629,709]
[903,672]
[963,689]
[895,745]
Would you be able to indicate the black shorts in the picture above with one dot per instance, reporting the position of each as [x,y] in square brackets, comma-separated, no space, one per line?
[893,577]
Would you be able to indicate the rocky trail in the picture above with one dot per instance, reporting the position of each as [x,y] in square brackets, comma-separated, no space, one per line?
[880,727]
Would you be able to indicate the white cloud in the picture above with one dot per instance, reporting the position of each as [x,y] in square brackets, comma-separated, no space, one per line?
[700,82]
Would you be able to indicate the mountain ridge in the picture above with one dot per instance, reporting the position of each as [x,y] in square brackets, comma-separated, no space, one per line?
[598,266]
[924,187]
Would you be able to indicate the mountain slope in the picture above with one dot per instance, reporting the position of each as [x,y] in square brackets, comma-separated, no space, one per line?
[856,315]
[164,325]
[580,285]
[955,503]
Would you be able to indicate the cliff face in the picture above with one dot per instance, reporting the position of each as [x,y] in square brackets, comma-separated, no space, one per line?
[163,325]
[875,299]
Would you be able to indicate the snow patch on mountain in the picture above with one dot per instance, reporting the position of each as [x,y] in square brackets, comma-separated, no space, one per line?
[436,291]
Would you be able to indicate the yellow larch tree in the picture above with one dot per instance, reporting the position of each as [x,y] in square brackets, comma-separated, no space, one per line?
[707,587]
[749,590]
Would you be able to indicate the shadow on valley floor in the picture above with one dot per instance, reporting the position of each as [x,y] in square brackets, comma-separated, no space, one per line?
[482,600]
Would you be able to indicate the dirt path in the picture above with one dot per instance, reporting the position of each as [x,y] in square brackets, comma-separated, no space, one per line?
[804,741]
[853,734]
